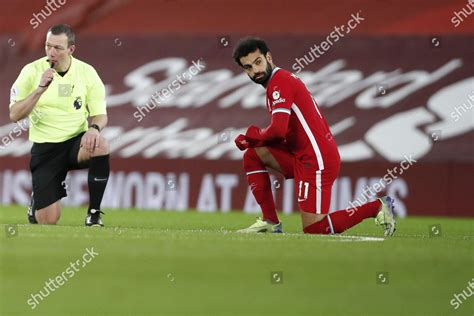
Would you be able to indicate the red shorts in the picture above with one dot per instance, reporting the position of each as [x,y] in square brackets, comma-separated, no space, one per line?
[313,187]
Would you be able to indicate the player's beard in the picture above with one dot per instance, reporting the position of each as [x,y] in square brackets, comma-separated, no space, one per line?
[263,80]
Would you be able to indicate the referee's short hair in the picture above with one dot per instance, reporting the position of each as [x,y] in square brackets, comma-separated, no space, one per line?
[64,29]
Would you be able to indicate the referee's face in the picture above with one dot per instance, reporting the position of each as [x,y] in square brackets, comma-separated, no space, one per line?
[58,51]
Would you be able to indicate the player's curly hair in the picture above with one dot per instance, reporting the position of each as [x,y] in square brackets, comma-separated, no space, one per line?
[249,45]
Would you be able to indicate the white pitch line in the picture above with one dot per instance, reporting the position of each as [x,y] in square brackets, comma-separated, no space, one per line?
[356,238]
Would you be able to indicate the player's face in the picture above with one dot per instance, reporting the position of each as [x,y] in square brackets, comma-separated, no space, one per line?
[258,66]
[57,50]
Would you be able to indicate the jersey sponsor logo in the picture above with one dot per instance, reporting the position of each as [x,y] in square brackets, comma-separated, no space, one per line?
[78,103]
[281,100]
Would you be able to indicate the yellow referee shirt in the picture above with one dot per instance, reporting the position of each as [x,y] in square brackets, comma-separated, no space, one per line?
[62,111]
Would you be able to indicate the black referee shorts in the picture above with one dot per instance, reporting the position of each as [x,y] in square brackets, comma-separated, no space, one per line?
[49,165]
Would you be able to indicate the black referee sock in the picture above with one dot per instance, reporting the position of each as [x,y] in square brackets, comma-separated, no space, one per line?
[99,170]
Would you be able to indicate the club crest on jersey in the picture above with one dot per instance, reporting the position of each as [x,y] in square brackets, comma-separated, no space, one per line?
[78,103]
[277,98]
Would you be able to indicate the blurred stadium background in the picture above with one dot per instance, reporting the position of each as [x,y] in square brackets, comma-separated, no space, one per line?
[399,85]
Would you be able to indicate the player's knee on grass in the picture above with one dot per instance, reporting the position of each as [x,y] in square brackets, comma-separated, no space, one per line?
[48,219]
[317,229]
[48,216]
[315,223]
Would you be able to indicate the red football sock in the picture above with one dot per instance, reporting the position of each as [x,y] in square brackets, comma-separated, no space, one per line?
[259,182]
[340,221]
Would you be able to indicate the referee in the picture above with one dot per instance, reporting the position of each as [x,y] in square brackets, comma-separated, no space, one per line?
[59,93]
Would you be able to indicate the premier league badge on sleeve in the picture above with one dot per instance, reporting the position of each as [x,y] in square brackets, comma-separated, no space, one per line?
[13,94]
[78,103]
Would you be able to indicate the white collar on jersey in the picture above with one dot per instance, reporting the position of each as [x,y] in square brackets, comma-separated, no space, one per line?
[273,72]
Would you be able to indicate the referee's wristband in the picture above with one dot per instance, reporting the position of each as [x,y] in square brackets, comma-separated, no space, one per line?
[95,126]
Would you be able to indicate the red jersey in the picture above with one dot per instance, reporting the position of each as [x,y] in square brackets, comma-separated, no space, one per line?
[296,121]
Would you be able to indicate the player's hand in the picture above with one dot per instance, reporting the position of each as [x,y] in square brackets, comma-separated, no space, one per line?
[241,142]
[90,140]
[253,132]
[46,78]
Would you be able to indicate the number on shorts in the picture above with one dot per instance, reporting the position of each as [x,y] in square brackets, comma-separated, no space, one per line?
[306,188]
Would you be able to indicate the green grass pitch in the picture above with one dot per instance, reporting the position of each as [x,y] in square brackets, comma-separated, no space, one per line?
[171,263]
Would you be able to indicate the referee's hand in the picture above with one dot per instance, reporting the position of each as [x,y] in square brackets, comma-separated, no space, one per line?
[90,140]
[46,78]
